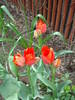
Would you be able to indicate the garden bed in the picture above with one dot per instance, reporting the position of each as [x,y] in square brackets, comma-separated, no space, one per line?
[68,61]
[56,43]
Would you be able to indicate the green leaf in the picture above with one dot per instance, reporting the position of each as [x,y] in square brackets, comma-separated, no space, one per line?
[47,97]
[15,44]
[62,85]
[22,74]
[23,42]
[34,23]
[1,14]
[36,19]
[24,92]
[45,81]
[5,40]
[62,52]
[12,66]
[42,17]
[14,96]
[9,88]
[3,72]
[53,34]
[34,84]
[13,27]
[42,70]
[4,8]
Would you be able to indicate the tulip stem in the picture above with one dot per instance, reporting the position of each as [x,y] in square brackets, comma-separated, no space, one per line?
[40,41]
[30,81]
[53,72]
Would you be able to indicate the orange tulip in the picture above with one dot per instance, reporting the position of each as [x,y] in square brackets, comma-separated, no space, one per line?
[47,55]
[57,63]
[19,60]
[29,56]
[41,26]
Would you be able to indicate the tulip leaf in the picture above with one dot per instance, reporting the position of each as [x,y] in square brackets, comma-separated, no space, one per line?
[15,44]
[5,40]
[36,19]
[4,8]
[3,72]
[42,17]
[62,52]
[47,97]
[63,84]
[34,83]
[54,34]
[45,81]
[9,89]
[42,70]
[24,92]
[13,27]
[13,67]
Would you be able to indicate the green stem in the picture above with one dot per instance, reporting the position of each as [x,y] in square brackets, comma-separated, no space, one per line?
[30,81]
[40,41]
[53,70]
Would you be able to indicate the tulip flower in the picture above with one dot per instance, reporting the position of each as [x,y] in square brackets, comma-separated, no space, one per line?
[47,55]
[36,33]
[29,56]
[19,60]
[57,63]
[41,26]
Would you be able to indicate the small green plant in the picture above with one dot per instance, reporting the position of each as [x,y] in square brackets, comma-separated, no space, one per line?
[39,63]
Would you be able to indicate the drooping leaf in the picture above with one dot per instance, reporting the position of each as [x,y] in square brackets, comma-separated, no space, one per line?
[15,44]
[12,66]
[4,8]
[62,52]
[54,34]
[13,28]
[42,17]
[36,19]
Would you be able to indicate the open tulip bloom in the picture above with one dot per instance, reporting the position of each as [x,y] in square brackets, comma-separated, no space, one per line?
[19,60]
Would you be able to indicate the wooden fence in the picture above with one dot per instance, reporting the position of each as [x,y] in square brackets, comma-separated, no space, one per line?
[60,14]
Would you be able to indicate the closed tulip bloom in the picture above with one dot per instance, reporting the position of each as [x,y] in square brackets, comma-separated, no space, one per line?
[41,26]
[57,63]
[47,55]
[29,56]
[36,33]
[19,60]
